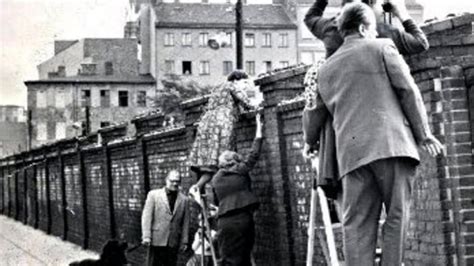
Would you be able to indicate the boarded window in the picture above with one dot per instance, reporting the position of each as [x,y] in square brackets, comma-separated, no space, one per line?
[169,67]
[141,99]
[250,67]
[169,39]
[104,98]
[283,40]
[60,130]
[186,39]
[267,40]
[227,67]
[60,99]
[41,99]
[85,98]
[204,68]
[203,38]
[41,131]
[109,68]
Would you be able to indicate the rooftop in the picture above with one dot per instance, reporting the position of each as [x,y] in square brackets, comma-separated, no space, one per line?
[117,79]
[199,15]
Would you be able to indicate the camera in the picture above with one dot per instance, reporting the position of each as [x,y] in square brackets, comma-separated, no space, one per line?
[387,7]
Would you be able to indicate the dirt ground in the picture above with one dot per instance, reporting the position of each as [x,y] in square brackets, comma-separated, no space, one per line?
[24,245]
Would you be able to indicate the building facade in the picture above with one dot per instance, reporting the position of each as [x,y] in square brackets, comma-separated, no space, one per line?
[174,39]
[13,130]
[86,85]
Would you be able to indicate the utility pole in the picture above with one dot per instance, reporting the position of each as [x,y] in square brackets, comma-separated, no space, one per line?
[239,33]
[87,128]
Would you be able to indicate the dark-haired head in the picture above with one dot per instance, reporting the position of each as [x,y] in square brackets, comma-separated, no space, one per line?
[367,2]
[354,15]
[237,74]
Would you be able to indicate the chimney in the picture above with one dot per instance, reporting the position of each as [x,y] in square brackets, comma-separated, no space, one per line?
[89,69]
[131,30]
[61,71]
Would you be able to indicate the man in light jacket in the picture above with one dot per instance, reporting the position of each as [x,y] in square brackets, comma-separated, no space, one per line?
[165,222]
[379,118]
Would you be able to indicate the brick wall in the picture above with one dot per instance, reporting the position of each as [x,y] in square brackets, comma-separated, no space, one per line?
[97,191]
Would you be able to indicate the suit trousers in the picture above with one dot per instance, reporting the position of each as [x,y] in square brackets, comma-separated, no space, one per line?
[389,182]
[162,256]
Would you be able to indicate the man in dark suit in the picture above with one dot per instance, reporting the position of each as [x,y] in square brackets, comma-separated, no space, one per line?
[378,117]
[165,222]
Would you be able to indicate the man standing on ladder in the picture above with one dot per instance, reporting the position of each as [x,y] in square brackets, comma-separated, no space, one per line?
[379,118]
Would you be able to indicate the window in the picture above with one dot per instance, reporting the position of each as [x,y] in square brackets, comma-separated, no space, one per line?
[187,68]
[85,98]
[109,68]
[227,67]
[169,39]
[60,130]
[104,98]
[186,39]
[204,68]
[229,38]
[267,40]
[283,40]
[169,67]
[60,99]
[249,40]
[123,98]
[267,66]
[141,99]
[104,124]
[203,38]
[284,64]
[41,131]
[250,67]
[41,99]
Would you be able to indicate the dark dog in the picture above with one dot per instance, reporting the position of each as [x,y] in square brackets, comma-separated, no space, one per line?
[113,254]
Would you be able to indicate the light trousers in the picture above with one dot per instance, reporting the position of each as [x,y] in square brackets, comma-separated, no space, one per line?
[388,182]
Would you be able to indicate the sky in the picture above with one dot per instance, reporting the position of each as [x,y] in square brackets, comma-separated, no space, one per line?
[28,29]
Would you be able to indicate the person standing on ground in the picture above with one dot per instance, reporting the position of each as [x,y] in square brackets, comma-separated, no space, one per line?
[165,222]
[379,118]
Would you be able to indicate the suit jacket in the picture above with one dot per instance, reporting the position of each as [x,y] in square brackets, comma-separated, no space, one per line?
[377,108]
[163,227]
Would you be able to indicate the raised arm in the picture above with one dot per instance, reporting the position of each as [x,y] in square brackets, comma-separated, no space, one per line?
[314,18]
[411,40]
[252,158]
[410,99]
[241,97]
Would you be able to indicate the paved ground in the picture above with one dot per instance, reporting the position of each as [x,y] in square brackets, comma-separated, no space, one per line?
[22,245]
